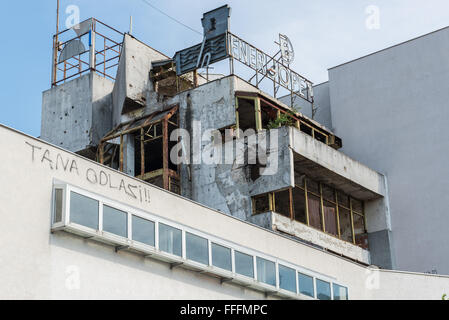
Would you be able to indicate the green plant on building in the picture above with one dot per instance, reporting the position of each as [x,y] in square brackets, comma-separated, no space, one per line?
[284,119]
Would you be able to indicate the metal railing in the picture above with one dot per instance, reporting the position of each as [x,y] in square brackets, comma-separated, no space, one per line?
[95,47]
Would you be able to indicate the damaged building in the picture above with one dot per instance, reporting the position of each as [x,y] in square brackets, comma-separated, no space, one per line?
[241,166]
[315,194]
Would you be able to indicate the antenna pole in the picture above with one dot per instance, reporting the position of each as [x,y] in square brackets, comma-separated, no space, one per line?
[131,25]
[55,47]
[57,18]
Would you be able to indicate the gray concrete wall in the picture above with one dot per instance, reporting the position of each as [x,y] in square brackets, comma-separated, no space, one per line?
[322,105]
[77,114]
[132,80]
[227,186]
[391,110]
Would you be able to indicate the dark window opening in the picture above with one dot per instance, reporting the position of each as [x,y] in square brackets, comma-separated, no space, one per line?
[261,204]
[306,129]
[153,155]
[247,114]
[320,137]
[282,203]
[111,155]
[268,114]
[299,205]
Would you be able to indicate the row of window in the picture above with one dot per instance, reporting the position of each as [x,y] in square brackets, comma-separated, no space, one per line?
[91,213]
[319,206]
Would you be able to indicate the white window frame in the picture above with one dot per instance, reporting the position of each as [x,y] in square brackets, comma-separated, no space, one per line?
[155,252]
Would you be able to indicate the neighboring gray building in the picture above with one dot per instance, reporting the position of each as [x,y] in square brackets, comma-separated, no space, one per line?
[391,110]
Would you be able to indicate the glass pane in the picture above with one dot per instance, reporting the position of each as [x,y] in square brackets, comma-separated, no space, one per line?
[282,203]
[330,218]
[313,186]
[197,248]
[361,237]
[266,271]
[299,179]
[314,211]
[170,240]
[323,290]
[328,193]
[115,221]
[340,293]
[244,264]
[221,257]
[345,224]
[299,205]
[83,210]
[343,199]
[287,278]
[143,230]
[305,283]
[357,206]
[58,206]
[261,204]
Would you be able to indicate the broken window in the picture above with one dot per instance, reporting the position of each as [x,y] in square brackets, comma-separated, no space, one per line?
[319,206]
[165,80]
[299,205]
[246,112]
[257,113]
[329,210]
[306,129]
[141,146]
[268,114]
[330,217]
[314,205]
[282,203]
[361,237]
[261,204]
[345,224]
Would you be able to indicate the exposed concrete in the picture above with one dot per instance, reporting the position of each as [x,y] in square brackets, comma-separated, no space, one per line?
[390,109]
[335,168]
[77,114]
[263,220]
[130,89]
[317,237]
[322,105]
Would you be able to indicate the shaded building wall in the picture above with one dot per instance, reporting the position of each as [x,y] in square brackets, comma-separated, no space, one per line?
[77,114]
[391,110]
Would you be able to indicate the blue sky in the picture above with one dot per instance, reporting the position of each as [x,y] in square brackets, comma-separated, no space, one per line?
[324,33]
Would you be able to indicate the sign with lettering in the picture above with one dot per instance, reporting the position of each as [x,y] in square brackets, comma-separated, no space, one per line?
[287,51]
[212,49]
[266,65]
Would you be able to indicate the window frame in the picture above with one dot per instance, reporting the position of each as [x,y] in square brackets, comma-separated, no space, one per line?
[123,243]
[322,201]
